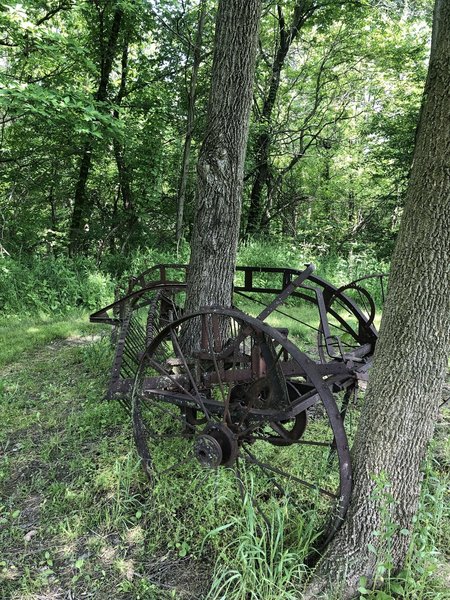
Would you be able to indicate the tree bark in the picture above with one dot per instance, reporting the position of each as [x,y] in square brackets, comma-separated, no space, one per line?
[411,356]
[221,161]
[81,210]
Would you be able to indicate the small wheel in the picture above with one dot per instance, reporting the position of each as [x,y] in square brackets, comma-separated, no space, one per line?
[244,402]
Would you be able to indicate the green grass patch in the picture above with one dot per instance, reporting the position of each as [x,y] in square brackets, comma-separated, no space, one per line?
[21,335]
[76,512]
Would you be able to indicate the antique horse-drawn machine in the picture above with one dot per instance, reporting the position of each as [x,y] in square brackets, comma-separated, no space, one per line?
[254,397]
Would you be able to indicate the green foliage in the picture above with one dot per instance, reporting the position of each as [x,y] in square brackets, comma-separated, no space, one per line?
[258,563]
[52,285]
[123,266]
[337,269]
[341,147]
[424,575]
[341,131]
[56,285]
[341,138]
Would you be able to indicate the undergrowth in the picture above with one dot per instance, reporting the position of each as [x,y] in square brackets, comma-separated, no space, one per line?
[56,285]
[258,562]
[52,286]
[426,572]
[78,515]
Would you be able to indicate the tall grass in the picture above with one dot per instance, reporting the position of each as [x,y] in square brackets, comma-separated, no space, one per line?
[258,563]
[51,285]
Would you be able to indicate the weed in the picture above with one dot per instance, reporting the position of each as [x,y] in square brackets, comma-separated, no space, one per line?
[424,575]
[258,563]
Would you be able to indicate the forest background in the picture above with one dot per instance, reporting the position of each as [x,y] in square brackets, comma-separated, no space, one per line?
[102,109]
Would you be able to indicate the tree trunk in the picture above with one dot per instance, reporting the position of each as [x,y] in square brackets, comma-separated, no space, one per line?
[123,169]
[81,210]
[286,36]
[190,122]
[221,161]
[411,356]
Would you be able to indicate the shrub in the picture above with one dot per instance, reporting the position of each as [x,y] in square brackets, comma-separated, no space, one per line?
[52,285]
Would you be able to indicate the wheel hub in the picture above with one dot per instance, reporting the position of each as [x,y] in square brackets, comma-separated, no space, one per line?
[216,446]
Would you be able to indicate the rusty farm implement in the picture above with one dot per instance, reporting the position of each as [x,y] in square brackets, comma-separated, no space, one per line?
[258,393]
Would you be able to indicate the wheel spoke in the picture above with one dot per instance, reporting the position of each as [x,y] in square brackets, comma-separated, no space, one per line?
[215,345]
[165,411]
[270,439]
[240,483]
[197,400]
[180,355]
[227,399]
[282,473]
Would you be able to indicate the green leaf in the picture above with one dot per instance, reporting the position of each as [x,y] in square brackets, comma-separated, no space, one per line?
[397,588]
[363,591]
[383,596]
[47,572]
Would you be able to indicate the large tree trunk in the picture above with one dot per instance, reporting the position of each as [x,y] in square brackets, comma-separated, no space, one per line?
[221,161]
[411,355]
[81,209]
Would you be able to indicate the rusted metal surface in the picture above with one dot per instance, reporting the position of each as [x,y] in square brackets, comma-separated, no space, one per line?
[250,392]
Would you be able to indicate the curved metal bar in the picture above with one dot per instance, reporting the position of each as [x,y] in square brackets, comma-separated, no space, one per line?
[101,316]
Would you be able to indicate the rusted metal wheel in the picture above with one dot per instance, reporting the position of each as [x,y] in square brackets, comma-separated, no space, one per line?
[244,401]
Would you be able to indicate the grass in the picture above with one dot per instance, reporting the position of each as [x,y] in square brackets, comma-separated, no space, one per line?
[21,335]
[75,510]
[78,516]
[264,565]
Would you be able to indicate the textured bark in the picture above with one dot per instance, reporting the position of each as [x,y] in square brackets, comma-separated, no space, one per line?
[221,161]
[411,355]
[81,209]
